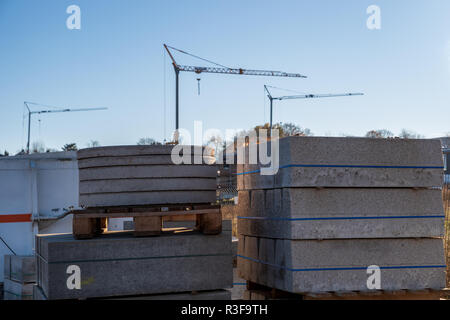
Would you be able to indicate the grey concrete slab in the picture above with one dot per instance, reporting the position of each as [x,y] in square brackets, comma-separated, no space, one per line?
[140,185]
[349,162]
[120,151]
[145,198]
[149,171]
[38,294]
[20,268]
[341,213]
[185,296]
[342,177]
[118,264]
[14,290]
[341,265]
[133,160]
[358,151]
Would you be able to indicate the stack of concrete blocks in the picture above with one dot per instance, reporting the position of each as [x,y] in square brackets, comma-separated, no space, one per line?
[339,205]
[120,265]
[19,277]
[117,265]
[145,175]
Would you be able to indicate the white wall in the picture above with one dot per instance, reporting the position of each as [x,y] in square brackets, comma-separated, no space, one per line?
[43,185]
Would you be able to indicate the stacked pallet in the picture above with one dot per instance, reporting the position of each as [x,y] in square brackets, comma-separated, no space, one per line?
[144,183]
[336,207]
[19,277]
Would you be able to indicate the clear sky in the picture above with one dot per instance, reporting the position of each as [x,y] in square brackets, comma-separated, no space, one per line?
[117,61]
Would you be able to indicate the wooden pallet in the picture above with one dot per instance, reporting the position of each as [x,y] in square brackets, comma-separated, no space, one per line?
[90,222]
[259,292]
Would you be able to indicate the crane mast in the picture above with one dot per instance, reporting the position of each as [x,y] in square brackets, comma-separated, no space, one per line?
[30,113]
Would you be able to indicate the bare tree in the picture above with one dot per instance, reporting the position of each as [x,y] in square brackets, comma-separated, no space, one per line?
[93,144]
[37,147]
[147,142]
[291,129]
[285,130]
[379,134]
[408,134]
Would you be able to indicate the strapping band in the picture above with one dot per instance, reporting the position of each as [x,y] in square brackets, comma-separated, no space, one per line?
[340,268]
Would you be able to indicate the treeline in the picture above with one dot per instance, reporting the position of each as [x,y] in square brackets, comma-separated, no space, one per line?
[217,142]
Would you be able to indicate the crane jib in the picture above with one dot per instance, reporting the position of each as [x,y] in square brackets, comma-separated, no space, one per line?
[239,71]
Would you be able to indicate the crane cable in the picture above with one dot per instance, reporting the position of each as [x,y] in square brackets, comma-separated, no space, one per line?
[23,125]
[165,94]
[289,90]
[46,106]
[192,55]
[264,96]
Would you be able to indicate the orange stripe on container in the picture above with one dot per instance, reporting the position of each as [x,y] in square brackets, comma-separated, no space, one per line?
[11,218]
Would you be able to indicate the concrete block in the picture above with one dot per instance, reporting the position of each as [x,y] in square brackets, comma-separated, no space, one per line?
[38,294]
[150,171]
[20,268]
[138,160]
[117,264]
[145,198]
[143,185]
[349,162]
[13,290]
[147,150]
[202,295]
[301,266]
[341,213]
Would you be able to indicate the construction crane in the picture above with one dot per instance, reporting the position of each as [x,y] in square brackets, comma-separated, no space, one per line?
[302,96]
[220,69]
[30,113]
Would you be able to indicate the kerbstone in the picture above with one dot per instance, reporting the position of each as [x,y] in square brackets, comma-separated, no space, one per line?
[118,264]
[150,171]
[133,160]
[144,175]
[145,198]
[341,213]
[38,294]
[124,151]
[140,185]
[349,162]
[300,266]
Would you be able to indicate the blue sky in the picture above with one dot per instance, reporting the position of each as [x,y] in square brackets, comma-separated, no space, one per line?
[117,61]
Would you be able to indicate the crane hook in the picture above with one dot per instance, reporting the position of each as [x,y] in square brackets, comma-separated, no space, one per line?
[198,85]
